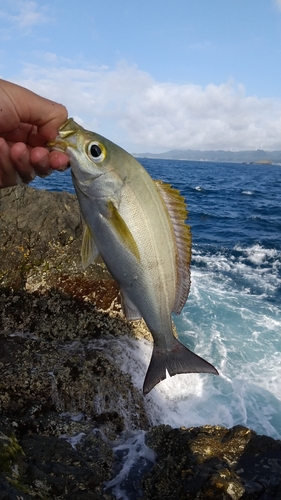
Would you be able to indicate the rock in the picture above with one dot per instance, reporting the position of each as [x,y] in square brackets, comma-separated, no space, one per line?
[49,467]
[56,382]
[41,237]
[65,402]
[213,462]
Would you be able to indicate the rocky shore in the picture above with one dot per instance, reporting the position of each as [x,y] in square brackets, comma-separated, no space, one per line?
[69,415]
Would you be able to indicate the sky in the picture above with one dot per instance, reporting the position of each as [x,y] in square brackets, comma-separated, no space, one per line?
[153,75]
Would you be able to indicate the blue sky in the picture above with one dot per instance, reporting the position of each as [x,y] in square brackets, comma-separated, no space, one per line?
[153,75]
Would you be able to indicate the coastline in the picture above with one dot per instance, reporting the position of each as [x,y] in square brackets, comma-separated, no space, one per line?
[248,157]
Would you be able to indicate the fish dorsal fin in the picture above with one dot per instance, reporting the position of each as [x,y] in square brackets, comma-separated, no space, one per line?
[89,251]
[177,211]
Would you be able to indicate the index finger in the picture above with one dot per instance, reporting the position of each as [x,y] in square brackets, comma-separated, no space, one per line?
[22,105]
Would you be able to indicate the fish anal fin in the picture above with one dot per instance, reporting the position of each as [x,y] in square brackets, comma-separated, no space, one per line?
[177,360]
[176,207]
[122,230]
[129,309]
[89,251]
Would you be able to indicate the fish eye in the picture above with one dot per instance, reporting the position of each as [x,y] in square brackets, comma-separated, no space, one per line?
[96,151]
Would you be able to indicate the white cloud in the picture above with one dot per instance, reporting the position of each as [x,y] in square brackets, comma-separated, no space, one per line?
[30,13]
[215,117]
[23,15]
[131,108]
[278,3]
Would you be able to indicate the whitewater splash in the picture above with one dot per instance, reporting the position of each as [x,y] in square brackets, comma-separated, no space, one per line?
[236,329]
[135,460]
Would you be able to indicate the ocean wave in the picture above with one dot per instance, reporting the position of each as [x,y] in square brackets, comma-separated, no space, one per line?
[249,193]
[252,270]
[259,255]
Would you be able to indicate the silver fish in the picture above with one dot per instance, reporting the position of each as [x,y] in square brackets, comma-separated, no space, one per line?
[138,227]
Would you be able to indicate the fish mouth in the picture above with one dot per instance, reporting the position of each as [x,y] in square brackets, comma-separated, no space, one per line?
[59,145]
[66,137]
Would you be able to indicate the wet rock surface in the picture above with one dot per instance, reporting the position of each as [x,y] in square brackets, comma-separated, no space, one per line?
[213,462]
[65,402]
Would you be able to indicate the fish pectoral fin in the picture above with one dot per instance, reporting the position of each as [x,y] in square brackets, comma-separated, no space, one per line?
[179,359]
[129,309]
[121,229]
[89,251]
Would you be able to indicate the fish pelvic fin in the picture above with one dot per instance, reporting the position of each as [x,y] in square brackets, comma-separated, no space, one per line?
[177,360]
[89,251]
[129,309]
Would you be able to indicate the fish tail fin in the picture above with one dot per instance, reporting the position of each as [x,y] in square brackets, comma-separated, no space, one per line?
[178,359]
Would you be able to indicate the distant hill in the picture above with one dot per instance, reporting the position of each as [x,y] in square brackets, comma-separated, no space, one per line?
[258,156]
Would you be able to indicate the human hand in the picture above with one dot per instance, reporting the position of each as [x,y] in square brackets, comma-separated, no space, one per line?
[27,123]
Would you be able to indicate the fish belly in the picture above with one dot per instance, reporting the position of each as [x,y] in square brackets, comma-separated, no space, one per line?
[150,281]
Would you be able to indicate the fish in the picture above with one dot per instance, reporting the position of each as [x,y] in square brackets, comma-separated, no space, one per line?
[138,227]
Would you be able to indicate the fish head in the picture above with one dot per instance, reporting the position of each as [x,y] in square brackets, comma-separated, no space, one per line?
[89,153]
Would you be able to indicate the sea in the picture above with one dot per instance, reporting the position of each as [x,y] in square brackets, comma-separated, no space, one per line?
[232,317]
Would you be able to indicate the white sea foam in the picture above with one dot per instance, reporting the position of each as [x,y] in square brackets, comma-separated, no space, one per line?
[135,458]
[257,254]
[244,331]
[73,440]
[236,330]
[255,265]
[246,392]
